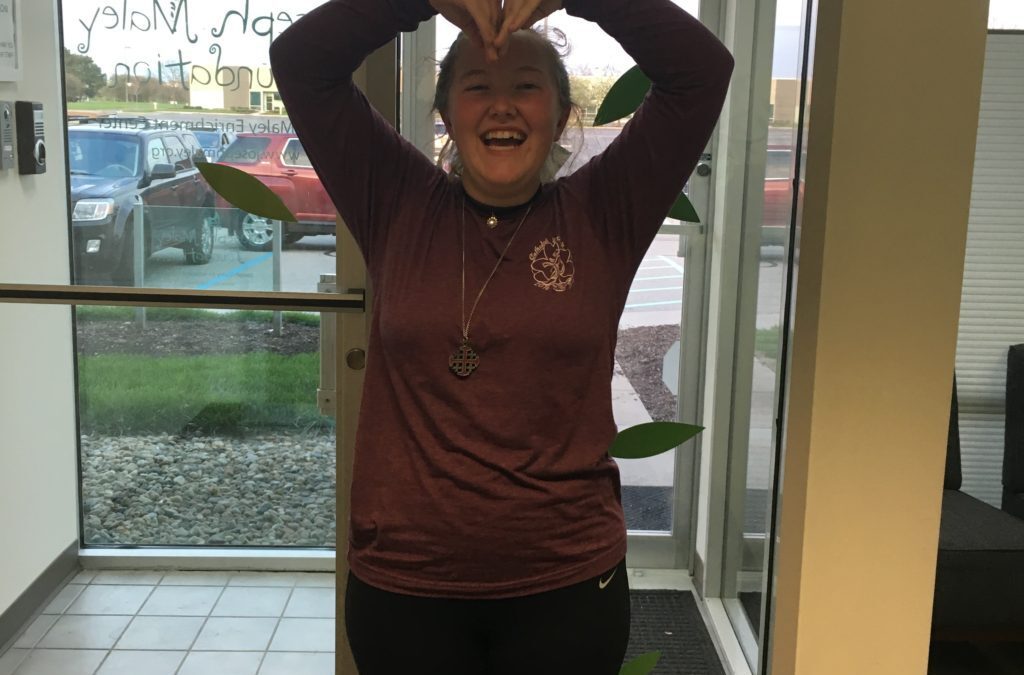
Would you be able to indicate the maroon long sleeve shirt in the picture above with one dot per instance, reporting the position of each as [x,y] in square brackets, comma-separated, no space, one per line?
[499,484]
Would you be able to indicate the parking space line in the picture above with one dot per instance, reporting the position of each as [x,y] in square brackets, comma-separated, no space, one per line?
[648,290]
[232,272]
[661,278]
[672,263]
[654,304]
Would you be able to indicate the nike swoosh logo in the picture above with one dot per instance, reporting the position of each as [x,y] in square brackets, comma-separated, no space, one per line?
[602,583]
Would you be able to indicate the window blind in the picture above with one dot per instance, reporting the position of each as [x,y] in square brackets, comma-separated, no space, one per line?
[992,301]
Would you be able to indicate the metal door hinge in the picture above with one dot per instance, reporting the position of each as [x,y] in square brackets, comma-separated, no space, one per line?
[326,393]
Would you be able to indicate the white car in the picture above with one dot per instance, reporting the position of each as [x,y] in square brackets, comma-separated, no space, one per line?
[214,141]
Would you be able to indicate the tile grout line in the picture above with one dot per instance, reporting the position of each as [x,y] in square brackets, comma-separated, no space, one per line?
[202,626]
[273,634]
[64,612]
[106,656]
[38,615]
[138,613]
[36,643]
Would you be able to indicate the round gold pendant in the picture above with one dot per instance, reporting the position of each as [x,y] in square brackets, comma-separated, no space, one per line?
[492,222]
[464,360]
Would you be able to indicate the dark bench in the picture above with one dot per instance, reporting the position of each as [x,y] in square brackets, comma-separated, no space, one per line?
[1013,449]
[979,584]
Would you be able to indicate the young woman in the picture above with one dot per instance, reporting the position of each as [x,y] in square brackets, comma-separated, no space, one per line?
[487,533]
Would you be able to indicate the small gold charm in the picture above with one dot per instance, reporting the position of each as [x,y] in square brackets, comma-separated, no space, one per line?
[492,222]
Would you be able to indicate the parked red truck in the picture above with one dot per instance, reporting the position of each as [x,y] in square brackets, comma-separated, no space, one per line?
[778,197]
[280,163]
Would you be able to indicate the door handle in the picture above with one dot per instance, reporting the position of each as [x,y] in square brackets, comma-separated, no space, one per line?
[289,172]
[174,188]
[355,359]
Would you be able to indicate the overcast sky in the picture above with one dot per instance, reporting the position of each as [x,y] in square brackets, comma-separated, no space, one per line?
[100,29]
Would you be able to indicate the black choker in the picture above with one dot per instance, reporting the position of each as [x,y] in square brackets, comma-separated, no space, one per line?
[495,214]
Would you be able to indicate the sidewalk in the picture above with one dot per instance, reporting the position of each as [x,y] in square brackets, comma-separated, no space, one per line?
[658,471]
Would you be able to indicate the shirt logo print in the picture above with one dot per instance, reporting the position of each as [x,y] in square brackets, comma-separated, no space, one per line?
[552,266]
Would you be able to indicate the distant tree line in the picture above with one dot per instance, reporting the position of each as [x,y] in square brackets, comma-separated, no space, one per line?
[84,80]
[589,90]
[147,89]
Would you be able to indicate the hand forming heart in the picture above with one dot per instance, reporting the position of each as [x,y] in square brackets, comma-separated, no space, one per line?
[489,23]
[478,19]
[519,14]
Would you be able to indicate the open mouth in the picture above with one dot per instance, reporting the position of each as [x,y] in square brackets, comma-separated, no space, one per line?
[503,139]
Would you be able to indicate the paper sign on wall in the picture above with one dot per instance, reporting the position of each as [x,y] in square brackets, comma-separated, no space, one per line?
[10,63]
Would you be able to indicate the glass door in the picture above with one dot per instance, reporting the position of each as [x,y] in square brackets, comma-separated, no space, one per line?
[768,254]
[660,339]
[215,403]
[204,336]
[199,427]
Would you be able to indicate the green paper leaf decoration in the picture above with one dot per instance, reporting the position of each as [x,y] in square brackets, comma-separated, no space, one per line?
[642,664]
[624,97]
[683,210]
[245,192]
[652,438]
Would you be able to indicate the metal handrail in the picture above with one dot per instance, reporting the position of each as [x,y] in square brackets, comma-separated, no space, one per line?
[352,301]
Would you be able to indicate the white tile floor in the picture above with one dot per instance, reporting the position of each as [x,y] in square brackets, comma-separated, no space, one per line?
[181,623]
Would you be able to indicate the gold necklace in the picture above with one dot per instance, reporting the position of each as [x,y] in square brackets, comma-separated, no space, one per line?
[464,360]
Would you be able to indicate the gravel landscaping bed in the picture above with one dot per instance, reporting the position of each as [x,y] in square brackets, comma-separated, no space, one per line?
[262,490]
[190,337]
[641,353]
[272,488]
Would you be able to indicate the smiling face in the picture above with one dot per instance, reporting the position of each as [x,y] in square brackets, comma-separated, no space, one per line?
[504,117]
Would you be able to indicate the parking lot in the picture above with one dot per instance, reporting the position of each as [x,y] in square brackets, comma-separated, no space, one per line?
[658,285]
[233,268]
[657,288]
[655,297]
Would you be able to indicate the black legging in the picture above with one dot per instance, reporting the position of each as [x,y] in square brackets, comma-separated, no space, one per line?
[581,629]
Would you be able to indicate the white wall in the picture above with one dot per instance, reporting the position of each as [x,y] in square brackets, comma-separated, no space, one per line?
[38,480]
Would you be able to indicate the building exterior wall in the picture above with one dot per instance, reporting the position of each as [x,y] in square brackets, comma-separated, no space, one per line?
[785,94]
[236,88]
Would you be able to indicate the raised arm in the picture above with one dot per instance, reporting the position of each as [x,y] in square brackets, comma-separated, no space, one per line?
[633,184]
[360,158]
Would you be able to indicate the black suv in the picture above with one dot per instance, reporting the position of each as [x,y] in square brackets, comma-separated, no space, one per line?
[115,163]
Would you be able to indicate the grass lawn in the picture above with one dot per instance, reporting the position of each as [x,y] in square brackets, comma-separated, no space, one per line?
[766,341]
[222,394]
[212,393]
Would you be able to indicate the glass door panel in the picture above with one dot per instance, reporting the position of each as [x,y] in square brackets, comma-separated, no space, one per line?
[646,381]
[201,428]
[759,377]
[151,94]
